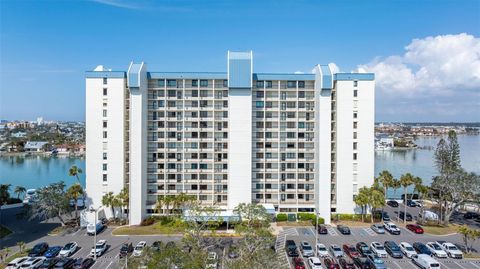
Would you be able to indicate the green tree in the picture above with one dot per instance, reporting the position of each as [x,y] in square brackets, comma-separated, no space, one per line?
[386,179]
[375,200]
[52,202]
[21,246]
[75,192]
[124,197]
[362,199]
[395,186]
[74,171]
[468,235]
[159,205]
[19,190]
[4,193]
[405,181]
[108,200]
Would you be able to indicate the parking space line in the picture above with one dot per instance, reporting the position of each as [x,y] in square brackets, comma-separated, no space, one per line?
[370,231]
[472,263]
[396,264]
[459,265]
[332,231]
[312,230]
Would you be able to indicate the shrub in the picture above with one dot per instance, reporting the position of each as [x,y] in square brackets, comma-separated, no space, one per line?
[320,221]
[306,216]
[148,221]
[282,217]
[351,217]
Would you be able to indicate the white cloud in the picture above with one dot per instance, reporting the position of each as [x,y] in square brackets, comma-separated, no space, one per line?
[118,3]
[433,66]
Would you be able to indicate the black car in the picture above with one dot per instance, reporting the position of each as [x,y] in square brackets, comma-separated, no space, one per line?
[322,229]
[346,263]
[392,203]
[38,250]
[421,248]
[412,203]
[363,263]
[402,216]
[126,249]
[343,229]
[48,263]
[471,215]
[82,263]
[385,216]
[157,245]
[64,263]
[393,249]
[291,248]
[363,249]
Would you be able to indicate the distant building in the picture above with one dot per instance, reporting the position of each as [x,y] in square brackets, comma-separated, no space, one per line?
[19,134]
[35,146]
[39,120]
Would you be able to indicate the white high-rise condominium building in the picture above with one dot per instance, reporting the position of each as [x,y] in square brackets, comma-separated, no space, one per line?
[292,141]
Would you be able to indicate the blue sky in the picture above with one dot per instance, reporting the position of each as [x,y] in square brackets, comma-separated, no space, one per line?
[45,47]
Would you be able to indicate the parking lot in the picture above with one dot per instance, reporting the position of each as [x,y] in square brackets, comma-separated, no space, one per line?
[367,235]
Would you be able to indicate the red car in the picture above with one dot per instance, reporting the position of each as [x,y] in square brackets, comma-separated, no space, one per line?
[351,251]
[330,263]
[299,264]
[415,228]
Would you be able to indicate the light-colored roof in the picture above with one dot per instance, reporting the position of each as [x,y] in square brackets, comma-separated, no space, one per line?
[35,144]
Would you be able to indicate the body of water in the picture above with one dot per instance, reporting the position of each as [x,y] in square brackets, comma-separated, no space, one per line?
[37,171]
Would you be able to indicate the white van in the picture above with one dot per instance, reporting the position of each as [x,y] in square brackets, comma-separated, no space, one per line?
[92,228]
[425,261]
[428,215]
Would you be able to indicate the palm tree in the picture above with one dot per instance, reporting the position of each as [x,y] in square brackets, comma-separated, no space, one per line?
[125,199]
[405,181]
[167,202]
[422,192]
[386,179]
[19,190]
[361,199]
[108,201]
[159,204]
[21,246]
[395,186]
[4,193]
[375,200]
[74,192]
[74,171]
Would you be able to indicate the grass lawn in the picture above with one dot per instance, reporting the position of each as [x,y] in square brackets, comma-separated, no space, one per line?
[16,255]
[471,255]
[156,228]
[440,230]
[4,231]
[294,223]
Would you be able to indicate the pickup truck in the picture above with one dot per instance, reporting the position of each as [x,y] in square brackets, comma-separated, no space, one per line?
[391,228]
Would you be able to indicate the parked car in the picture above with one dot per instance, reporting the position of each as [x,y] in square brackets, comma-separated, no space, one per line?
[95,228]
[425,261]
[330,263]
[38,250]
[52,252]
[307,250]
[392,203]
[322,250]
[378,228]
[68,249]
[126,249]
[421,248]
[391,228]
[452,250]
[48,263]
[436,249]
[315,263]
[322,229]
[471,215]
[32,262]
[291,248]
[298,263]
[411,203]
[336,251]
[64,263]
[83,263]
[378,249]
[362,263]
[138,251]
[156,245]
[100,248]
[415,228]
[402,216]
[343,229]
[407,249]
[212,260]
[351,251]
[346,263]
[364,249]
[385,216]
[376,262]
[393,249]
[16,263]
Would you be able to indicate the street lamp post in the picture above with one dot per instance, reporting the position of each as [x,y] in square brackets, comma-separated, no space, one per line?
[316,231]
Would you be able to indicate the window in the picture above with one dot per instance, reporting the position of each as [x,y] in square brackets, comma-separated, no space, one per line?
[354,145]
[104,124]
[104,167]
[194,83]
[291,84]
[161,83]
[259,104]
[260,84]
[268,84]
[355,93]
[104,81]
[355,83]
[354,135]
[301,94]
[260,94]
[171,83]
[301,84]
[104,177]
[104,155]
[355,156]
[225,83]
[104,112]
[203,83]
[104,134]
[104,91]
[355,125]
[355,115]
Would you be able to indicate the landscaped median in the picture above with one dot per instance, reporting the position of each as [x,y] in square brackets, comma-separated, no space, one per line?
[154,229]
[441,230]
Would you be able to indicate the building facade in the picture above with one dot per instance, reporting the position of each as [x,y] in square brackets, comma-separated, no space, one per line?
[294,141]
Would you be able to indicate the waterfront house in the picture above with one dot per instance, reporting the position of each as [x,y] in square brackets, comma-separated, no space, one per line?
[35,146]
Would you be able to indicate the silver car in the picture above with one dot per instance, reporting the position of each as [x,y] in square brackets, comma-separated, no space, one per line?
[377,262]
[336,251]
[378,228]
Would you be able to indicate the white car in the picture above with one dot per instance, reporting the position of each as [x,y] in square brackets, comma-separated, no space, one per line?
[32,262]
[68,249]
[99,249]
[16,263]
[436,249]
[407,249]
[307,250]
[452,250]
[322,250]
[212,260]
[138,250]
[378,249]
[391,228]
[315,263]
[425,261]
[336,251]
